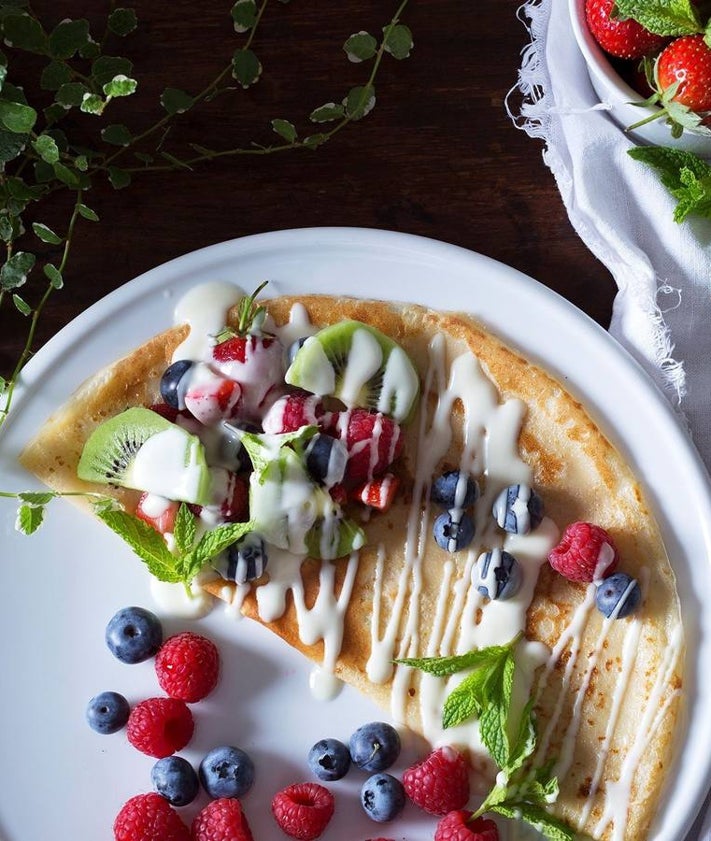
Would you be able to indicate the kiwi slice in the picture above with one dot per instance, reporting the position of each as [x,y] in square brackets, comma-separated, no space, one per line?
[142,450]
[360,366]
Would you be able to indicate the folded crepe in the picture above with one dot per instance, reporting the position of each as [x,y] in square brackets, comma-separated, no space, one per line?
[607,692]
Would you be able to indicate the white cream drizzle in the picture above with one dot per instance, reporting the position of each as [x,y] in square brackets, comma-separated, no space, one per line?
[204,308]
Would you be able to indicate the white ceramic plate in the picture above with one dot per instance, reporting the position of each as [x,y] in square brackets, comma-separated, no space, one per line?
[60,586]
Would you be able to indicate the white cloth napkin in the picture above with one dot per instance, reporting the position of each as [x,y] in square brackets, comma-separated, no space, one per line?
[662,311]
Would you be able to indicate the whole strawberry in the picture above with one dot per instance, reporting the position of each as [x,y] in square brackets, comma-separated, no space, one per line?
[160,726]
[303,810]
[149,817]
[585,553]
[686,64]
[188,666]
[221,820]
[618,37]
[440,783]
[459,826]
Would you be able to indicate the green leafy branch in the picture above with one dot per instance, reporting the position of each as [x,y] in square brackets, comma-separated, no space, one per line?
[521,791]
[39,158]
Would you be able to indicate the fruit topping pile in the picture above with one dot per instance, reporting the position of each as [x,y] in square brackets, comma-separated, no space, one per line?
[290,441]
[663,51]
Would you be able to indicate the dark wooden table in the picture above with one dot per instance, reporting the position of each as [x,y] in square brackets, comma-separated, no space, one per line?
[438,156]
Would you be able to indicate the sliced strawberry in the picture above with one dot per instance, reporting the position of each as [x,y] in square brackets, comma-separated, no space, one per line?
[213,398]
[157,512]
[292,411]
[373,439]
[379,493]
[238,348]
[235,508]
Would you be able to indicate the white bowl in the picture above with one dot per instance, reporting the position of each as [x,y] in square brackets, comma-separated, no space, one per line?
[614,92]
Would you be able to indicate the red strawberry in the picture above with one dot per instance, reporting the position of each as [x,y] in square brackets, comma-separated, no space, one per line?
[440,783]
[221,820]
[621,38]
[157,512]
[292,411]
[149,817]
[235,508]
[458,826]
[212,397]
[687,61]
[238,348]
[187,666]
[379,493]
[160,726]
[303,810]
[165,411]
[373,440]
[585,553]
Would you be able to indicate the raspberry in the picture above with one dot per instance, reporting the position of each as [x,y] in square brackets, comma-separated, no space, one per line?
[373,441]
[303,810]
[160,726]
[585,553]
[188,666]
[149,817]
[292,411]
[456,826]
[221,820]
[440,783]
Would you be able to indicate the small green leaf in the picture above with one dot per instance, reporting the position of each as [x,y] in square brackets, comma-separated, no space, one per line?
[68,37]
[463,701]
[117,134]
[29,518]
[88,213]
[146,542]
[360,47]
[120,85]
[90,50]
[81,162]
[398,41]
[37,497]
[16,117]
[685,175]
[327,113]
[244,15]
[21,305]
[211,544]
[246,67]
[46,147]
[185,529]
[359,102]
[285,129]
[122,21]
[119,178]
[66,175]
[14,271]
[537,817]
[71,94]
[92,103]
[8,230]
[54,75]
[107,67]
[24,33]
[11,145]
[313,141]
[176,101]
[54,276]
[663,17]
[46,234]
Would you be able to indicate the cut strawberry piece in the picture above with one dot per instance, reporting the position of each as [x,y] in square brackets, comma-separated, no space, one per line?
[292,411]
[235,508]
[238,348]
[373,439]
[379,493]
[157,512]
[257,364]
[213,398]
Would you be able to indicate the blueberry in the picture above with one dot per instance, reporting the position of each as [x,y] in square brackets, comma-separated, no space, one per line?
[454,490]
[329,759]
[107,712]
[518,509]
[382,797]
[497,574]
[246,559]
[375,746]
[326,459]
[294,348]
[170,383]
[617,588]
[175,779]
[453,530]
[226,772]
[134,634]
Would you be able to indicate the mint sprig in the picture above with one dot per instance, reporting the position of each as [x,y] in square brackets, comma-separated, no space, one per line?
[521,791]
[662,17]
[685,175]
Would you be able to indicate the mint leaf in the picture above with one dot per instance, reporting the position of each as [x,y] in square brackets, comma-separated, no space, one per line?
[685,175]
[146,542]
[663,17]
[537,817]
[211,544]
[443,666]
[29,518]
[185,529]
[464,701]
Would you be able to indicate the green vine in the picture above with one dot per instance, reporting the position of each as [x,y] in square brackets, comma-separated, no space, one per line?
[40,156]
